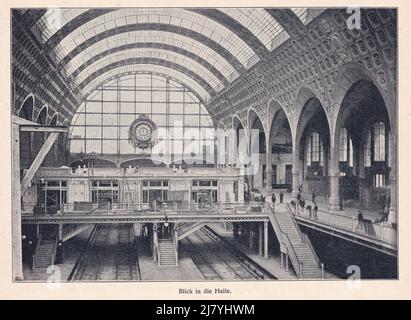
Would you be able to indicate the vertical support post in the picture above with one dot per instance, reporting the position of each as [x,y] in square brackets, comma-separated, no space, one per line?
[260,239]
[287,268]
[17,262]
[282,259]
[61,232]
[37,231]
[265,240]
[334,200]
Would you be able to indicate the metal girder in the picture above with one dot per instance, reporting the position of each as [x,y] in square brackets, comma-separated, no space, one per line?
[374,244]
[147,72]
[28,177]
[132,217]
[288,20]
[223,52]
[31,16]
[74,24]
[154,61]
[153,45]
[28,128]
[242,32]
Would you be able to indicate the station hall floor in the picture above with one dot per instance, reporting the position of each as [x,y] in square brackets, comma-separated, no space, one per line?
[108,255]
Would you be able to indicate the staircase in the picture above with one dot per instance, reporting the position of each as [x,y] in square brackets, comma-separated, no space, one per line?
[44,255]
[185,229]
[166,253]
[298,246]
[71,231]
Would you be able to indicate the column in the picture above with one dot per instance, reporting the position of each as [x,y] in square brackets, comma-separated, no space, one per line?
[392,156]
[268,169]
[241,189]
[334,199]
[260,239]
[265,240]
[296,182]
[61,232]
[17,262]
[282,259]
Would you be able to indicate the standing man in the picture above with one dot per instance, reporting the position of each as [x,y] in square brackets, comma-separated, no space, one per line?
[281,197]
[315,211]
[273,198]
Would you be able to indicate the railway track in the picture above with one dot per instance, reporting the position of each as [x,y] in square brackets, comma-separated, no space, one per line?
[216,259]
[109,256]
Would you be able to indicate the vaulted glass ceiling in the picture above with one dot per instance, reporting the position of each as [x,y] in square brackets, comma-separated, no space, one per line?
[175,75]
[205,49]
[152,39]
[258,21]
[163,16]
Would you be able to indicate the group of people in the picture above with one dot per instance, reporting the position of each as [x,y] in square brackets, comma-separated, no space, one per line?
[274,199]
[300,207]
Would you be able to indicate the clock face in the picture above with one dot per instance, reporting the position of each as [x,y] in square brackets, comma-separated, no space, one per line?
[143,132]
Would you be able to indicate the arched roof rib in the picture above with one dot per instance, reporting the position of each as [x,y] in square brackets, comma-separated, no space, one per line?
[156,27]
[164,16]
[194,67]
[147,45]
[209,48]
[155,37]
[152,65]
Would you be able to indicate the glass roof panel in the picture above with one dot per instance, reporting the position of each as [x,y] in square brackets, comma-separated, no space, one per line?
[144,68]
[159,37]
[258,21]
[190,64]
[301,13]
[169,16]
[54,19]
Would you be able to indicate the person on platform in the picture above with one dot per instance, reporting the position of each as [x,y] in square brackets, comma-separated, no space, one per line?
[273,198]
[294,206]
[315,211]
[360,218]
[281,197]
[309,208]
[313,197]
[302,204]
[262,198]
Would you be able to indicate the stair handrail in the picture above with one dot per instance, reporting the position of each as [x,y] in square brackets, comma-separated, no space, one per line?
[307,241]
[37,248]
[304,238]
[155,245]
[175,242]
[285,240]
[53,257]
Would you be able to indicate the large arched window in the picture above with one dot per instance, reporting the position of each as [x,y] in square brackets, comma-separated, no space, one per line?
[101,124]
[314,150]
[346,152]
[379,141]
[376,144]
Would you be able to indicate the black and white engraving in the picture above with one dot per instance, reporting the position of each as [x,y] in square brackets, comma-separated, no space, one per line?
[204,144]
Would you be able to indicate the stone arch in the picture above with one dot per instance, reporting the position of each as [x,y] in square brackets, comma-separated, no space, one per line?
[351,74]
[312,117]
[26,110]
[305,95]
[42,115]
[362,106]
[279,175]
[54,119]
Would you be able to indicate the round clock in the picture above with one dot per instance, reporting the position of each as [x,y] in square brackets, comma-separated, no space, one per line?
[141,132]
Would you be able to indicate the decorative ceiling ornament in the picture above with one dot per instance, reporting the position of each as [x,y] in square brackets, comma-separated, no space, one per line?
[141,132]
